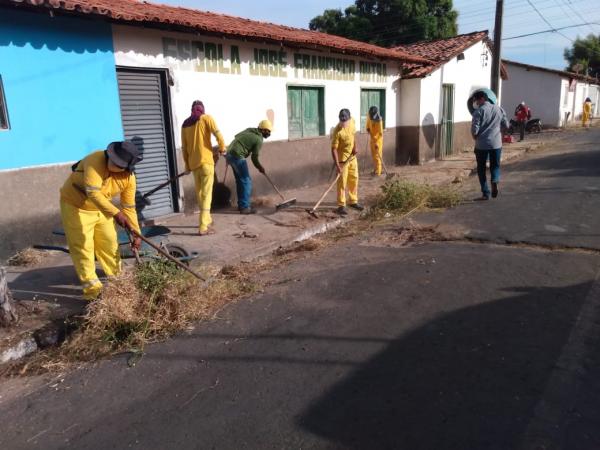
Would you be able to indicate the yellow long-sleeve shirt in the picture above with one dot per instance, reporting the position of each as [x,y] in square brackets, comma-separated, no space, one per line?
[101,186]
[343,140]
[196,145]
[375,129]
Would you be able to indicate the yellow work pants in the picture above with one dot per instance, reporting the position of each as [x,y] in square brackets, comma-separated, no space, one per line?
[204,178]
[348,180]
[585,119]
[90,233]
[376,153]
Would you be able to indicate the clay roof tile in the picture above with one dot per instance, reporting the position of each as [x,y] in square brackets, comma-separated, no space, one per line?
[156,14]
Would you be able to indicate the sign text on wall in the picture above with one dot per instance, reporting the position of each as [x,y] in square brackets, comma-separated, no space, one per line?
[211,57]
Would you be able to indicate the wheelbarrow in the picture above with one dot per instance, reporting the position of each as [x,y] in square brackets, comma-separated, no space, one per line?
[158,234]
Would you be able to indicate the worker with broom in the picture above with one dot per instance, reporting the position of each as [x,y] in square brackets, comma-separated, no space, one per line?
[247,143]
[89,217]
[375,130]
[343,152]
[199,159]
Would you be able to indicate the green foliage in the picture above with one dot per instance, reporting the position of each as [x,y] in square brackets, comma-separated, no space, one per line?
[401,197]
[155,275]
[390,22]
[585,53]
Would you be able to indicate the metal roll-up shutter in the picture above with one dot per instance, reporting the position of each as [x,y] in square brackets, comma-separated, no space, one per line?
[143,116]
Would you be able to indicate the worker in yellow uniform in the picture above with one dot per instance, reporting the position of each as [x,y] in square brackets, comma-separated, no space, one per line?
[200,160]
[89,217]
[587,113]
[343,152]
[375,130]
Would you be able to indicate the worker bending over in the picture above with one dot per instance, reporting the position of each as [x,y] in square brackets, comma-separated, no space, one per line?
[247,143]
[199,158]
[343,152]
[375,130]
[89,217]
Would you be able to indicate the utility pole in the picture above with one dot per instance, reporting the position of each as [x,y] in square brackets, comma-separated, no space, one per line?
[497,48]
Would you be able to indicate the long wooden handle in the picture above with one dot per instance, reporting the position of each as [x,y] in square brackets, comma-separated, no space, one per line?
[325,193]
[162,185]
[332,184]
[274,187]
[153,245]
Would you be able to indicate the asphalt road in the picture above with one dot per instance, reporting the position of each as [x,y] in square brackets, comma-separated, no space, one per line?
[488,342]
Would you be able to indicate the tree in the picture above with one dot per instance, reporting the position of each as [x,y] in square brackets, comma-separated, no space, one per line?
[584,52]
[7,312]
[390,22]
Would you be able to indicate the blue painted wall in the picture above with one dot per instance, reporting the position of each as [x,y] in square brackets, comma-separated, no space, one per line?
[61,88]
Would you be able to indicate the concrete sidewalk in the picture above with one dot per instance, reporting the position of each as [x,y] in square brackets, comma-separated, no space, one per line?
[50,291]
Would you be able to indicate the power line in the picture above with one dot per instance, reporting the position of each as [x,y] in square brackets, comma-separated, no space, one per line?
[576,12]
[544,19]
[552,30]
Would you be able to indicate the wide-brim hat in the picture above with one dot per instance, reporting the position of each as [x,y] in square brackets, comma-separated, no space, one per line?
[124,154]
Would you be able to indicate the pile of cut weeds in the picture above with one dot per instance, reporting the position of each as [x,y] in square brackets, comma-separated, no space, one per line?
[400,197]
[145,304]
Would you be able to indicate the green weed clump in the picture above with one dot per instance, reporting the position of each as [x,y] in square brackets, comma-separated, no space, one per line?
[401,197]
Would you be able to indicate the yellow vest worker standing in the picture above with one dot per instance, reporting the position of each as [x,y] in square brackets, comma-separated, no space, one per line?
[87,212]
[199,159]
[587,113]
[343,150]
[375,130]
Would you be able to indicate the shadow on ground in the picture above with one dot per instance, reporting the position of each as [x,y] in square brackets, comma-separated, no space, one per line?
[468,380]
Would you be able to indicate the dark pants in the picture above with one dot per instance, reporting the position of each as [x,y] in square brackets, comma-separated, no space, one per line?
[482,157]
[521,131]
[243,182]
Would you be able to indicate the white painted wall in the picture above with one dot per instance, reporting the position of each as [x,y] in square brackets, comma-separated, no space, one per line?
[238,101]
[542,91]
[466,75]
[409,102]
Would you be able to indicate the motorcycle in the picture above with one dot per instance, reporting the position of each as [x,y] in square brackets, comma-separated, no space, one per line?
[532,126]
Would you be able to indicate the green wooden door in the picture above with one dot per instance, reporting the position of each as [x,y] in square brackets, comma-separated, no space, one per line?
[446,141]
[305,112]
[368,98]
[295,112]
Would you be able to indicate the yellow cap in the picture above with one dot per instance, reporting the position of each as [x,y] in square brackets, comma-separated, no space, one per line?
[265,125]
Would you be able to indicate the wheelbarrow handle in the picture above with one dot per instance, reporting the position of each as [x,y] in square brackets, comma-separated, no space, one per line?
[162,185]
[155,247]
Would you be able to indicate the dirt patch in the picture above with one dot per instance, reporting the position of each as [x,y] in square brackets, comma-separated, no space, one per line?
[143,305]
[309,245]
[411,235]
[263,201]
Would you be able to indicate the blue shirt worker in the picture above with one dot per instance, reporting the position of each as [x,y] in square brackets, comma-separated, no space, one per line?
[489,120]
[247,143]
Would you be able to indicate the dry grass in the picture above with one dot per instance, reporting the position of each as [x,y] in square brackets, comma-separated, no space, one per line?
[27,258]
[399,197]
[143,305]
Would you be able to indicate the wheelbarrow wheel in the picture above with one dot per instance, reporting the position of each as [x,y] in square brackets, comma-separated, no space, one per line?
[177,251]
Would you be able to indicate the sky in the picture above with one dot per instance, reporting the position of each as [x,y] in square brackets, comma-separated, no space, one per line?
[520,17]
